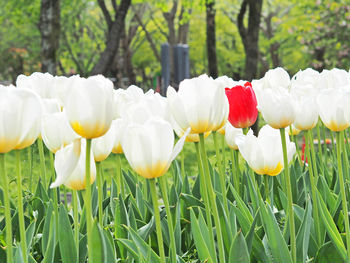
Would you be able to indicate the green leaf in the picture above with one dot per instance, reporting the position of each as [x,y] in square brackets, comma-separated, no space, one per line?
[199,240]
[331,227]
[102,250]
[50,249]
[328,253]
[29,235]
[250,235]
[191,201]
[65,237]
[303,236]
[239,250]
[277,244]
[141,245]
[47,228]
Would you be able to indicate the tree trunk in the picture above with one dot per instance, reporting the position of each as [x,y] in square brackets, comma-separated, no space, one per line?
[183,28]
[170,19]
[49,26]
[113,38]
[211,38]
[250,35]
[250,39]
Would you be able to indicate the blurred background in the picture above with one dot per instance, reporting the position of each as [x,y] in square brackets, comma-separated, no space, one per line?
[128,40]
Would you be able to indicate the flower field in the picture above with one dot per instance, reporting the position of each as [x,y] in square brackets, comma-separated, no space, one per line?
[94,174]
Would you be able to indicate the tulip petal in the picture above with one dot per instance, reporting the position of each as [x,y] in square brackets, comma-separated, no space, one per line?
[66,161]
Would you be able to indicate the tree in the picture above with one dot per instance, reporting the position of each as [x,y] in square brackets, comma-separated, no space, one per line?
[49,26]
[211,38]
[250,35]
[114,34]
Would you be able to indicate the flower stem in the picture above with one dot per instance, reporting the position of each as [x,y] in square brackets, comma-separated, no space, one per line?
[7,209]
[313,156]
[294,139]
[235,170]
[87,202]
[22,229]
[42,162]
[221,172]
[99,192]
[157,218]
[345,154]
[30,166]
[342,192]
[267,190]
[164,190]
[319,146]
[55,201]
[183,164]
[212,198]
[204,194]
[308,141]
[76,220]
[290,212]
[223,151]
[120,181]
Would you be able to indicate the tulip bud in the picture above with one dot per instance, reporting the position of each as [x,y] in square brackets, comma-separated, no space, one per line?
[264,153]
[334,108]
[90,107]
[200,104]
[149,147]
[243,105]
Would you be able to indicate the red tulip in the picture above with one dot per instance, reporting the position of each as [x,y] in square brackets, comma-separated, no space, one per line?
[242,101]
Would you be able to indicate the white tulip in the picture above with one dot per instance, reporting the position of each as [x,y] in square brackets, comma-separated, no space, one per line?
[55,138]
[306,113]
[334,108]
[40,83]
[102,146]
[276,78]
[50,106]
[89,106]
[227,82]
[333,79]
[231,134]
[70,166]
[264,153]
[200,104]
[20,113]
[305,77]
[30,119]
[149,147]
[61,88]
[119,126]
[277,107]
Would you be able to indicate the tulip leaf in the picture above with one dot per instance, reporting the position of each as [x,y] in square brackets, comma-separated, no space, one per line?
[65,237]
[200,240]
[328,253]
[18,254]
[239,250]
[303,236]
[225,226]
[249,236]
[30,234]
[47,228]
[191,201]
[49,255]
[102,249]
[142,247]
[277,243]
[331,227]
